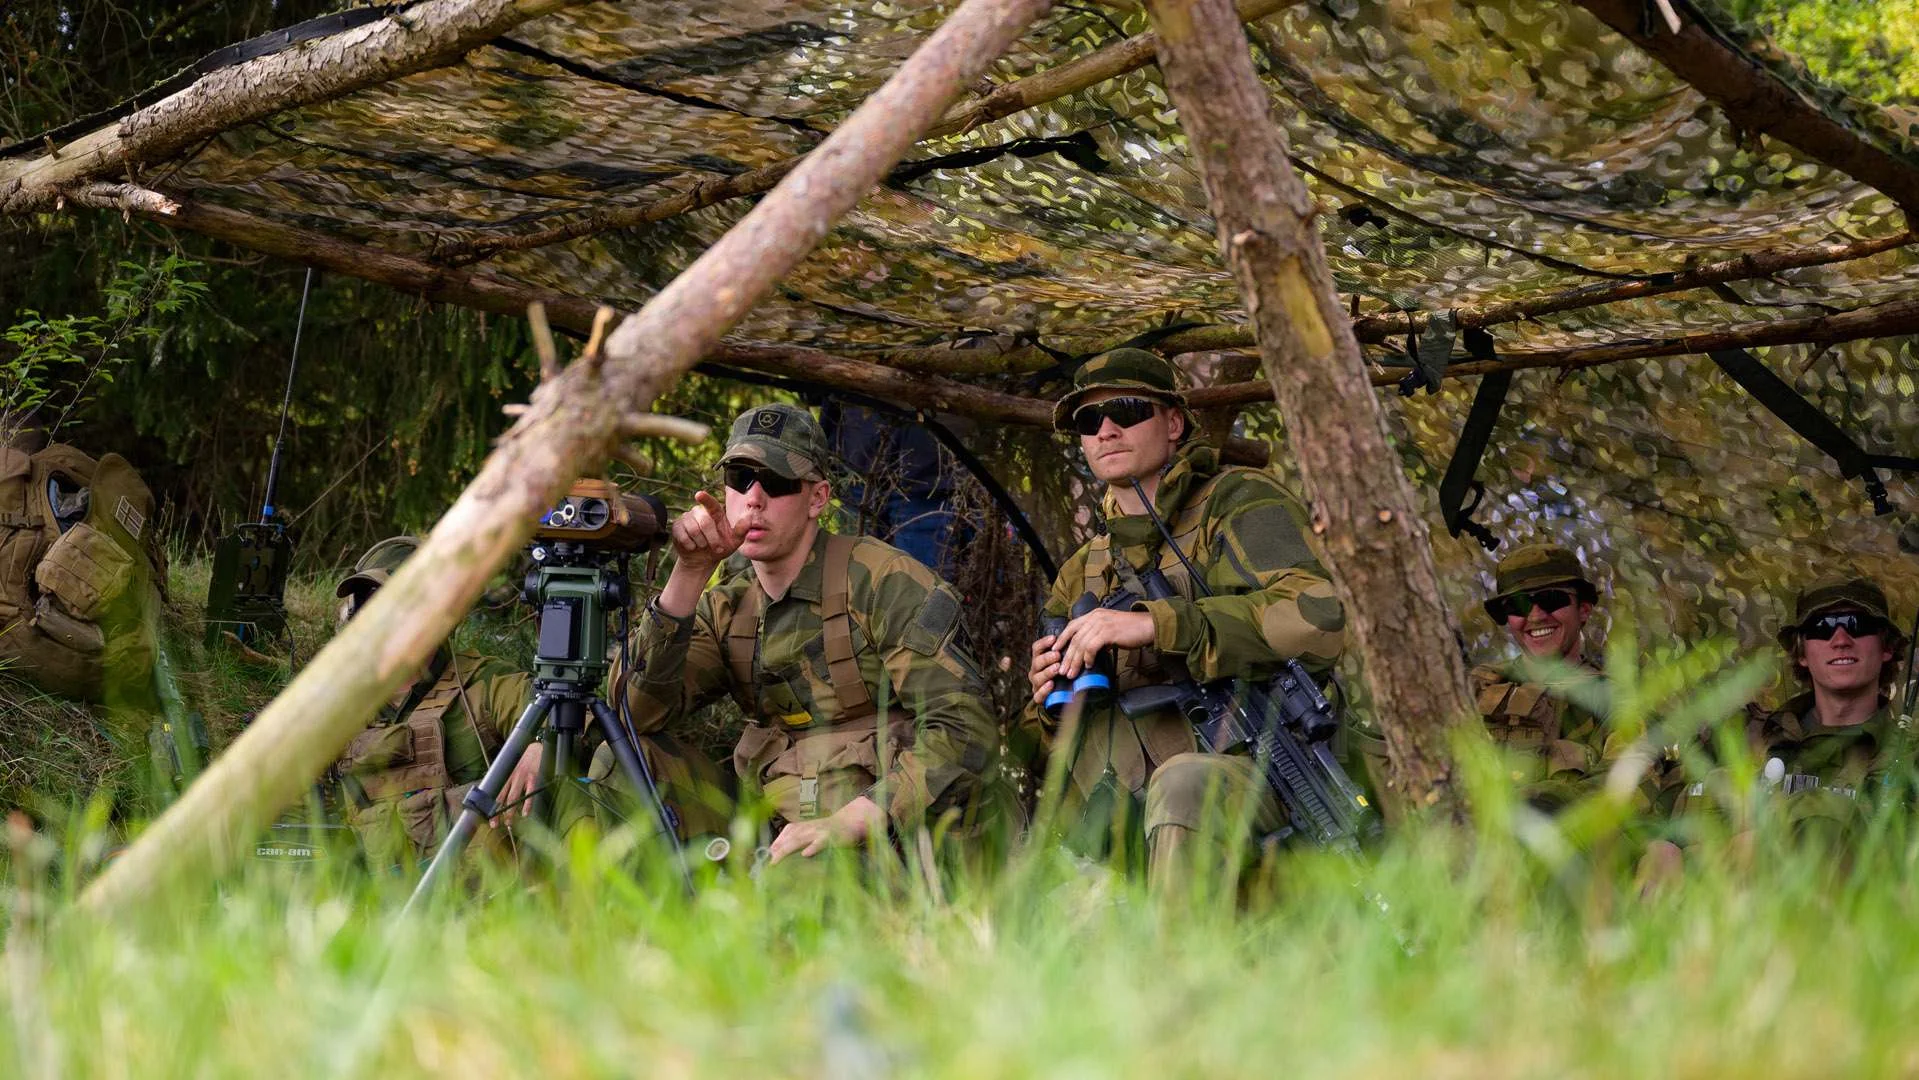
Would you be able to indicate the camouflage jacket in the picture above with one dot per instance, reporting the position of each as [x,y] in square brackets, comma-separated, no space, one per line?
[1823,762]
[1562,749]
[905,634]
[1270,601]
[457,724]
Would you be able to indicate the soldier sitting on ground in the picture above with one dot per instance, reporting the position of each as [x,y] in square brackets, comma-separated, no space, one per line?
[864,713]
[1837,743]
[402,778]
[1248,594]
[1543,601]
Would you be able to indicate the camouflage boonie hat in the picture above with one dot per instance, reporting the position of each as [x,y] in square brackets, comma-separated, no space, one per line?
[1535,566]
[378,564]
[783,438]
[1860,594]
[1121,369]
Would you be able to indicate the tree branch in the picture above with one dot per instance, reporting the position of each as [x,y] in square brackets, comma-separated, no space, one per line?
[573,424]
[1755,99]
[1376,329]
[1372,537]
[428,35]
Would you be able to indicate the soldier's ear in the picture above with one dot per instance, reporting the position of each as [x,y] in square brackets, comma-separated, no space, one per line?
[818,497]
[1177,427]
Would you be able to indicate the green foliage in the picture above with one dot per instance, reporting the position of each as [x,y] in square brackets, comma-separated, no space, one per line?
[64,361]
[1869,48]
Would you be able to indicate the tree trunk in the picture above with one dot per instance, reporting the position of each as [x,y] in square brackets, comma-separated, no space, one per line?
[1375,543]
[428,35]
[572,424]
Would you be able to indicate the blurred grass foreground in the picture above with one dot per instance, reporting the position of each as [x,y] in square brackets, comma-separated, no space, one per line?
[1524,947]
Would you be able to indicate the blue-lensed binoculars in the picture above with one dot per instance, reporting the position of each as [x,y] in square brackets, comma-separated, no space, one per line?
[1096,682]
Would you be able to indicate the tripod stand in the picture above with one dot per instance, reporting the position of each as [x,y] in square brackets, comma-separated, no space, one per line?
[573,589]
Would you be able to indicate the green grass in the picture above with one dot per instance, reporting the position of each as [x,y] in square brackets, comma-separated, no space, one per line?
[1517,950]
[1789,967]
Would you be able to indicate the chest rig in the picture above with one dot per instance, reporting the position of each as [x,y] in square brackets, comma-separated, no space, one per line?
[406,752]
[854,701]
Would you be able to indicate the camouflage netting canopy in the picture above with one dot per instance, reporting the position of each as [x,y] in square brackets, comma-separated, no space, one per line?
[1467,154]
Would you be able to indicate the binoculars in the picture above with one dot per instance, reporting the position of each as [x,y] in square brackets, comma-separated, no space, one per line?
[1096,682]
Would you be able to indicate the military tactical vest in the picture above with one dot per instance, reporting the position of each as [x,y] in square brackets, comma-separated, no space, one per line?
[79,557]
[855,702]
[406,752]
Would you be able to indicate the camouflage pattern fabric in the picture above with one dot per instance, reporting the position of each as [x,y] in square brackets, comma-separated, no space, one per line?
[1560,751]
[483,698]
[784,438]
[937,742]
[1832,775]
[1119,369]
[1270,600]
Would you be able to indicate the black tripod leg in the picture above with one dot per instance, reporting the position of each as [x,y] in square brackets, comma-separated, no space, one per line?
[634,764]
[483,801]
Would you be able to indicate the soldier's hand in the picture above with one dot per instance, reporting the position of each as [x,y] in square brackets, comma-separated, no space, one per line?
[518,794]
[848,825]
[703,537]
[1044,668]
[1085,636]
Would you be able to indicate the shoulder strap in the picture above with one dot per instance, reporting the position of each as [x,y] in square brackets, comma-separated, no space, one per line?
[837,628]
[742,638]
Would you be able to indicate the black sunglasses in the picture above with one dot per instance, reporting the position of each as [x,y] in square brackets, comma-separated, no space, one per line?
[1521,604]
[1855,624]
[1124,411]
[741,478]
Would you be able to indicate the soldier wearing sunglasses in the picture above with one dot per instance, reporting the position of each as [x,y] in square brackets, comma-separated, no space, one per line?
[1543,601]
[863,709]
[1261,597]
[1837,736]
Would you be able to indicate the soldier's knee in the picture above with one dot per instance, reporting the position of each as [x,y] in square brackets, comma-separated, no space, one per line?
[1181,789]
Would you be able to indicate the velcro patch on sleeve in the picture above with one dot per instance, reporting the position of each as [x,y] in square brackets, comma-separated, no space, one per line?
[937,618]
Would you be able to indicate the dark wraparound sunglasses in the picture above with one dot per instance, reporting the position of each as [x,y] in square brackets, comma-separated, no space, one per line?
[1855,624]
[1124,411]
[741,478]
[1521,604]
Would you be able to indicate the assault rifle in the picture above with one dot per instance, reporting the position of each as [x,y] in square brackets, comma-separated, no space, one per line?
[1287,725]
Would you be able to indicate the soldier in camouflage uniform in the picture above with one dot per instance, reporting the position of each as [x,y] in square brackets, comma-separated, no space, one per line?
[1543,601]
[864,712]
[1837,741]
[1266,600]
[402,778]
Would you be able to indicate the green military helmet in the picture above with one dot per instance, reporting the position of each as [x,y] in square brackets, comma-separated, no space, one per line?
[1538,566]
[783,438]
[1120,369]
[377,565]
[1855,593]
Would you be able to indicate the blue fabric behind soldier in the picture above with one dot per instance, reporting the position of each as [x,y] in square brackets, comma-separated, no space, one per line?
[912,505]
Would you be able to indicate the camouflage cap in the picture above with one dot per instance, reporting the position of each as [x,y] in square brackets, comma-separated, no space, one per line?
[1536,566]
[378,564]
[1120,369]
[783,438]
[1857,593]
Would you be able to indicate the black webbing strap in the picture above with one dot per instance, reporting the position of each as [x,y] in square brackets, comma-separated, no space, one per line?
[1815,427]
[1458,483]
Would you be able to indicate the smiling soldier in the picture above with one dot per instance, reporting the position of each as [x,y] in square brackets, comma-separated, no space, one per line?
[1830,743]
[1544,602]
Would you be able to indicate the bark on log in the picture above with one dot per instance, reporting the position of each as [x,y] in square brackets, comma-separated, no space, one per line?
[1375,329]
[574,422]
[428,35]
[1375,542]
[1090,70]
[1889,319]
[1755,99]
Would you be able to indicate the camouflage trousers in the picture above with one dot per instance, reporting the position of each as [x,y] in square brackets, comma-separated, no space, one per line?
[695,791]
[401,833]
[1197,809]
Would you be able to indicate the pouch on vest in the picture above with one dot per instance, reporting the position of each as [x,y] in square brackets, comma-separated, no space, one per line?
[86,571]
[1110,818]
[377,749]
